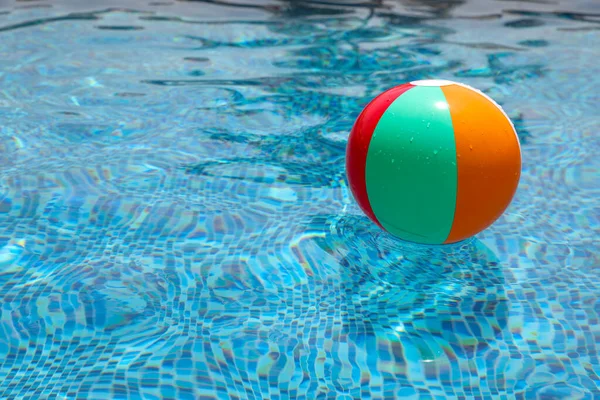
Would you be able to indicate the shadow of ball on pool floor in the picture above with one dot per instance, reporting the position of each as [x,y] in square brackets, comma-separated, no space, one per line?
[424,301]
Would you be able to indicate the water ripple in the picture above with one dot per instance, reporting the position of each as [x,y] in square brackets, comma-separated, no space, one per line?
[175,219]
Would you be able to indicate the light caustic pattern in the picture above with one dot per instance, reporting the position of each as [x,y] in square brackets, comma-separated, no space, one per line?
[175,222]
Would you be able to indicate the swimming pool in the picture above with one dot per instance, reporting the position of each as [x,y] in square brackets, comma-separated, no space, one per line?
[175,222]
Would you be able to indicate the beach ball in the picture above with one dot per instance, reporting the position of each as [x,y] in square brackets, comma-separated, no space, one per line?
[433,161]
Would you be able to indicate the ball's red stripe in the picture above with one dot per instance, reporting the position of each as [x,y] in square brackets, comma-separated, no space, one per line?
[358,145]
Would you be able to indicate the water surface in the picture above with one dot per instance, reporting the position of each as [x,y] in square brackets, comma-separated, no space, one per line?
[175,221]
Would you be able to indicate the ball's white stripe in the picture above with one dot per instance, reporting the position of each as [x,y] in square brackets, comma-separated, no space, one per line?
[432,82]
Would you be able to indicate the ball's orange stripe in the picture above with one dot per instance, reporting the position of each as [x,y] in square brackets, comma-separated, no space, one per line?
[488,161]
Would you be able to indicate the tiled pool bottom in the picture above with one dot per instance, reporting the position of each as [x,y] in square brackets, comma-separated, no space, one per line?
[175,221]
[364,317]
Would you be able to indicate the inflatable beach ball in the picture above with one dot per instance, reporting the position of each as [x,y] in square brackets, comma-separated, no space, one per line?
[433,161]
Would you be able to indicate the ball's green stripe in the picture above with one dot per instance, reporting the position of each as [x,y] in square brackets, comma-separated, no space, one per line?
[411,171]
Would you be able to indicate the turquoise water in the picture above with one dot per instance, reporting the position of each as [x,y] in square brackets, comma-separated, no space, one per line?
[175,221]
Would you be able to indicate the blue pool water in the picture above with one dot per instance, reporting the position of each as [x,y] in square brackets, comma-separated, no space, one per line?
[175,222]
